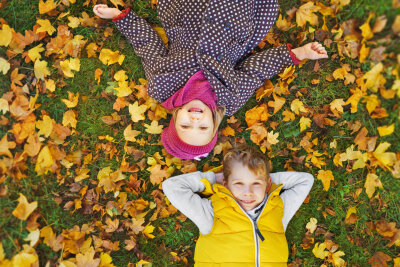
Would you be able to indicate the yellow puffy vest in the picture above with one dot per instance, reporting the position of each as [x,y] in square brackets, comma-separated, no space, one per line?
[233,240]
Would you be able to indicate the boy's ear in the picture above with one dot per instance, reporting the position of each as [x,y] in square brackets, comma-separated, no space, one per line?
[269,183]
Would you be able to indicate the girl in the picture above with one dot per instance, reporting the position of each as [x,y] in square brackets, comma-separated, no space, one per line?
[207,70]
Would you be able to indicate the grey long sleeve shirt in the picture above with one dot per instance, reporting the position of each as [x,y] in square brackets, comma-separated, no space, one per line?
[182,191]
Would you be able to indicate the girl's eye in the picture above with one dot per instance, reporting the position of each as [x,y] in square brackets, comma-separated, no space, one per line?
[203,128]
[184,126]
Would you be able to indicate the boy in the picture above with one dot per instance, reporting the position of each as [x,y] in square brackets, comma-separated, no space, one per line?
[243,221]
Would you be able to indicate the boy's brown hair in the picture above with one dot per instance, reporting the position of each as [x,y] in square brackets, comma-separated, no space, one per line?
[249,156]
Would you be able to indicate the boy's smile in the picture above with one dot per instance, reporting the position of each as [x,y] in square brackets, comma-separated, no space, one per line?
[247,187]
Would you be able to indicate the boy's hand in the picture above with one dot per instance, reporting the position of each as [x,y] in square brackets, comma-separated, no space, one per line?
[219,178]
[312,50]
[105,12]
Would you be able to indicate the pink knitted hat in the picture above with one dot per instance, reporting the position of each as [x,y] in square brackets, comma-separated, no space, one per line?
[197,87]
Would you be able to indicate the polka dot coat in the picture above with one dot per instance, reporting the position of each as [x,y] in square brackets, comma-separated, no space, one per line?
[215,36]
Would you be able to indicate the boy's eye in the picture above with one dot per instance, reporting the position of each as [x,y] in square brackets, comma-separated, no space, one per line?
[239,183]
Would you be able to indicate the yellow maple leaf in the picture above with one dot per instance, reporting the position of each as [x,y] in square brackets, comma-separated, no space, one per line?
[117,3]
[148,230]
[105,260]
[339,73]
[372,77]
[364,52]
[73,22]
[4,65]
[5,35]
[5,146]
[319,251]
[297,106]
[69,119]
[24,208]
[45,26]
[137,111]
[41,69]
[387,159]
[371,183]
[306,13]
[130,134]
[386,130]
[34,53]
[311,226]
[366,31]
[396,87]
[23,259]
[277,104]
[304,123]
[91,49]
[72,100]
[45,126]
[123,89]
[351,210]
[283,24]
[4,107]
[272,138]
[288,116]
[337,260]
[70,64]
[33,237]
[354,99]
[153,128]
[47,6]
[396,25]
[50,85]
[326,177]
[108,57]
[372,102]
[336,106]
[44,161]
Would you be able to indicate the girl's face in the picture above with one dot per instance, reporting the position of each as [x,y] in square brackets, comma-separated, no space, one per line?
[194,123]
[247,187]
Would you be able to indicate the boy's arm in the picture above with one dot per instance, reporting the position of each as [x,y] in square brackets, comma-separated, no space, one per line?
[296,186]
[182,191]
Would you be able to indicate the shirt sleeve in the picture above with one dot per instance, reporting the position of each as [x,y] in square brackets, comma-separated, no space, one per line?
[296,186]
[182,191]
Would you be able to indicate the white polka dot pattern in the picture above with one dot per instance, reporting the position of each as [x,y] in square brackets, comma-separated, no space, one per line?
[215,36]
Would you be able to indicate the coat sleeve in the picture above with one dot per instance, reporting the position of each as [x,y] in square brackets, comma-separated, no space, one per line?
[296,186]
[182,191]
[146,43]
[252,72]
[264,65]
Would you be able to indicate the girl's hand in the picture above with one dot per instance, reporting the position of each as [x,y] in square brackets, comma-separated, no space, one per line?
[105,12]
[219,178]
[313,51]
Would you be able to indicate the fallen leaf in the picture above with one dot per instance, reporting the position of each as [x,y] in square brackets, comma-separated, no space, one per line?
[45,126]
[326,177]
[371,183]
[304,123]
[306,13]
[44,161]
[47,6]
[297,106]
[153,128]
[137,111]
[72,100]
[68,65]
[385,130]
[387,159]
[109,57]
[312,225]
[69,119]
[4,66]
[320,251]
[45,26]
[5,35]
[24,208]
[41,69]
[34,53]
[379,259]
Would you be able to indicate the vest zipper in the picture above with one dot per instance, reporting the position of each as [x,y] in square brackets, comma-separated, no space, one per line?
[256,231]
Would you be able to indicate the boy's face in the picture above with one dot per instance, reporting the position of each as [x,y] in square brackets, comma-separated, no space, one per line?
[248,188]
